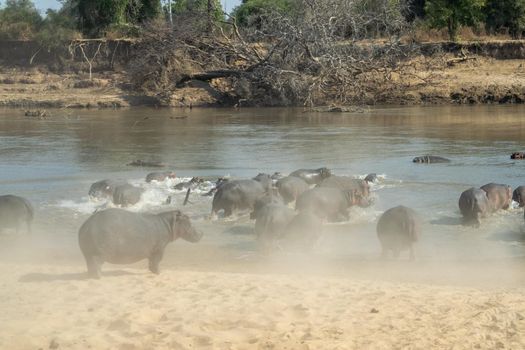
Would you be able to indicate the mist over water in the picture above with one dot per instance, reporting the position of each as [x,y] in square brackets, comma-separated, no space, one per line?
[53,162]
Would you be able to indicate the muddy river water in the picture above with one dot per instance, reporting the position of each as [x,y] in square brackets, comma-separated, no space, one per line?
[52,162]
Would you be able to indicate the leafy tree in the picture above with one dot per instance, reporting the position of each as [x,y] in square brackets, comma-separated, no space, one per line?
[506,15]
[57,28]
[249,13]
[196,7]
[19,20]
[96,16]
[454,13]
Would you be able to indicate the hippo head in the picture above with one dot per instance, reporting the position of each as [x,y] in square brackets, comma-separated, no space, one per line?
[181,227]
[324,173]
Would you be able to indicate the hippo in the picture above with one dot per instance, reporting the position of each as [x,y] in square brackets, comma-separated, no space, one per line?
[430,159]
[361,187]
[327,202]
[519,195]
[15,212]
[127,195]
[473,204]
[194,181]
[291,187]
[271,221]
[237,195]
[277,176]
[265,180]
[118,236]
[160,176]
[146,163]
[303,231]
[268,198]
[517,155]
[220,181]
[312,176]
[103,189]
[371,178]
[500,196]
[398,229]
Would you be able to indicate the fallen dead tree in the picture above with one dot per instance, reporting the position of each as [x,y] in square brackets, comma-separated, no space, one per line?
[332,51]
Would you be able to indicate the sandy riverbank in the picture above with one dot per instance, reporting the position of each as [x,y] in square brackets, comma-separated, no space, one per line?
[45,306]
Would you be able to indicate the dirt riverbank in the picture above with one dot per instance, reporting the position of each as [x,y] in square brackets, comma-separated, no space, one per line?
[465,79]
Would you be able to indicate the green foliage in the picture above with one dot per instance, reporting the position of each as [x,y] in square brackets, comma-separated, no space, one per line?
[57,27]
[250,12]
[508,15]
[451,14]
[98,16]
[198,7]
[19,20]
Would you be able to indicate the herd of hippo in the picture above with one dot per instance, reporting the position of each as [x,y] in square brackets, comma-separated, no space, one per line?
[119,236]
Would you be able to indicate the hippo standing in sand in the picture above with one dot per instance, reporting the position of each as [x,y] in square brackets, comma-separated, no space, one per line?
[127,195]
[430,159]
[291,187]
[473,205]
[345,183]
[500,196]
[312,176]
[328,202]
[15,212]
[103,189]
[237,195]
[519,195]
[160,176]
[398,229]
[303,231]
[118,236]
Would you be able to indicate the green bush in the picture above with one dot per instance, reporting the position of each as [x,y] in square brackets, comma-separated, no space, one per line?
[506,15]
[451,14]
[19,20]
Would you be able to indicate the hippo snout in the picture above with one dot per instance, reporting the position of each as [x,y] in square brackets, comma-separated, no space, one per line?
[193,236]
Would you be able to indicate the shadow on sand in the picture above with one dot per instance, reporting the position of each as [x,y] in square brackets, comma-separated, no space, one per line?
[51,277]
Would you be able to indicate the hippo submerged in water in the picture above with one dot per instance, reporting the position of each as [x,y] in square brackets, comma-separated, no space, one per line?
[519,195]
[15,212]
[127,195]
[327,203]
[103,189]
[398,229]
[360,187]
[430,159]
[118,236]
[237,195]
[160,176]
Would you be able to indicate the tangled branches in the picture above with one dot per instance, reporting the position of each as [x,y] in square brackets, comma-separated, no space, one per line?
[329,51]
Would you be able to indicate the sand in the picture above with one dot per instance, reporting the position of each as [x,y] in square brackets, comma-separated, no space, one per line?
[50,307]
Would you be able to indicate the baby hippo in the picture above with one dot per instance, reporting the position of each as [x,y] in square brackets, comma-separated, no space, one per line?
[15,212]
[118,236]
[398,229]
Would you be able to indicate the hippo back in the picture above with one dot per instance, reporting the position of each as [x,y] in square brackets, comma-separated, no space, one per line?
[473,203]
[499,195]
[519,195]
[14,210]
[346,183]
[127,195]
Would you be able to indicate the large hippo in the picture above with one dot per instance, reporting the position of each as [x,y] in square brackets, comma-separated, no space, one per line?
[345,183]
[15,212]
[291,187]
[312,176]
[271,221]
[303,231]
[103,189]
[127,195]
[118,236]
[327,202]
[500,196]
[265,180]
[160,176]
[430,159]
[519,195]
[398,229]
[236,195]
[473,205]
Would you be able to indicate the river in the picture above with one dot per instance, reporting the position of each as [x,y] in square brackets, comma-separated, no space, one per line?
[52,162]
